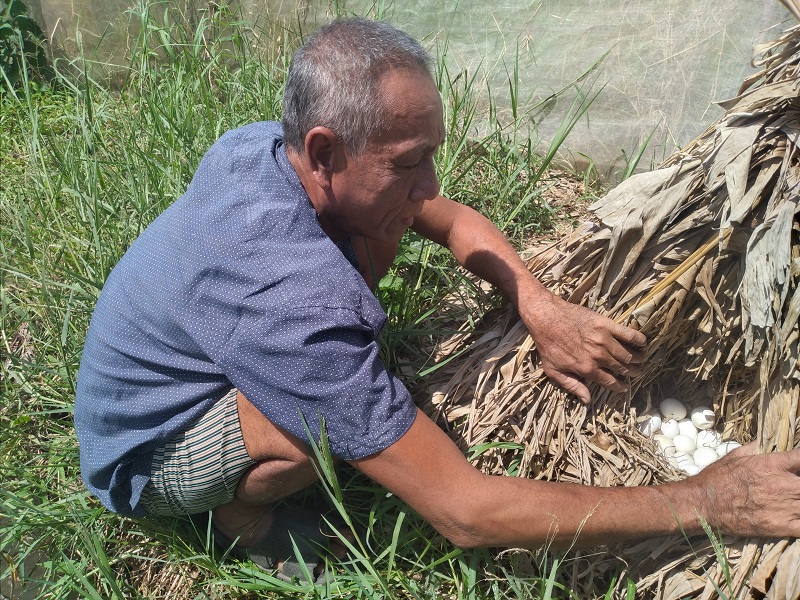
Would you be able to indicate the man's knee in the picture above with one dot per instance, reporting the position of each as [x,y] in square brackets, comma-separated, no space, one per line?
[272,480]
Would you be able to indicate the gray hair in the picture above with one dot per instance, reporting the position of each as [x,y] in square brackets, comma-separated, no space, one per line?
[333,80]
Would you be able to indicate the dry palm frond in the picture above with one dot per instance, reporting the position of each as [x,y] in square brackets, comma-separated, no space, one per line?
[703,256]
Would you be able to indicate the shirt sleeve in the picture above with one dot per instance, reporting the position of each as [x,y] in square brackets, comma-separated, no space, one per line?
[318,363]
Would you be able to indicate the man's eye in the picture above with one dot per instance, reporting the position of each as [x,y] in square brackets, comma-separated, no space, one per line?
[411,165]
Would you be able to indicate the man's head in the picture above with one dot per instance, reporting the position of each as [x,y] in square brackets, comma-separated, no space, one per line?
[362,122]
[334,80]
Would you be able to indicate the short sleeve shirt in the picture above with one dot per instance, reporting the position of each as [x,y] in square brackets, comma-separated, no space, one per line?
[234,285]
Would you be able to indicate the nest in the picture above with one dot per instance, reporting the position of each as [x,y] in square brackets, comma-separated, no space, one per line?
[703,256]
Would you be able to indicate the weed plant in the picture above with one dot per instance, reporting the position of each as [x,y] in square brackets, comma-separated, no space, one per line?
[85,167]
[24,55]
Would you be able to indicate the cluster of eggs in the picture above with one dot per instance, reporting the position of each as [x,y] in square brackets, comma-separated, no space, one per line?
[686,435]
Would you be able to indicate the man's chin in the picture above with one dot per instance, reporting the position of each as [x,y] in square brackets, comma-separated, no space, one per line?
[400,229]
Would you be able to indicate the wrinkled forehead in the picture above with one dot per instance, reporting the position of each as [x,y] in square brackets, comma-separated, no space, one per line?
[411,106]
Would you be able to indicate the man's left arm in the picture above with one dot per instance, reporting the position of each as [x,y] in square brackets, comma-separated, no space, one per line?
[575,343]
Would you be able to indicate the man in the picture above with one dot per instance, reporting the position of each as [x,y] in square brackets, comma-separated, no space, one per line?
[244,312]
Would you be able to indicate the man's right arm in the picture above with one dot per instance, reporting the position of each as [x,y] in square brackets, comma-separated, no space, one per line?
[742,494]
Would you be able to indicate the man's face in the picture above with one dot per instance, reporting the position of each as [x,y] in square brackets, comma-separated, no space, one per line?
[379,193]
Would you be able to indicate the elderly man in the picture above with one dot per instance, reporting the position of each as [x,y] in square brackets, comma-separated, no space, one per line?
[245,312]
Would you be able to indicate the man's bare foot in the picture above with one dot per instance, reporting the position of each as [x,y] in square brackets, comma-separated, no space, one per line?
[240,521]
[267,535]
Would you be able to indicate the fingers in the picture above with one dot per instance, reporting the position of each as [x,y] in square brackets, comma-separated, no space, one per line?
[627,356]
[791,459]
[613,348]
[628,336]
[580,344]
[572,385]
[617,357]
[612,364]
[602,370]
[750,449]
[626,350]
[623,362]
[610,381]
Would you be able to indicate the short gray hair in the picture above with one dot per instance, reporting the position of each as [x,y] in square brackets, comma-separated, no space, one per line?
[333,80]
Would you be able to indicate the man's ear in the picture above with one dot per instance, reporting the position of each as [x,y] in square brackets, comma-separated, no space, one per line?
[323,152]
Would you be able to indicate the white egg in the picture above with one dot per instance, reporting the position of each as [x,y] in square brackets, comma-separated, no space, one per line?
[704,456]
[687,428]
[726,447]
[703,417]
[666,446]
[691,470]
[663,441]
[684,443]
[650,424]
[672,408]
[684,459]
[708,438]
[670,428]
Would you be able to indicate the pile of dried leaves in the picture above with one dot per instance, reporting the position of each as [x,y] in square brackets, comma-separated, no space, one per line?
[703,256]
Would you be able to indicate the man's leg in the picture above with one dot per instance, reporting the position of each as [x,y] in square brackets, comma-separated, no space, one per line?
[282,468]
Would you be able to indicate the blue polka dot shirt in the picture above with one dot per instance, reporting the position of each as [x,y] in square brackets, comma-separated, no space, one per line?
[236,285]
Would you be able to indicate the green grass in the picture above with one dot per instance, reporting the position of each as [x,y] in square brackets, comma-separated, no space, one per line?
[84,167]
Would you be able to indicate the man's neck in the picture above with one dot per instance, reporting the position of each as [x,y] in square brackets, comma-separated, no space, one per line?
[315,194]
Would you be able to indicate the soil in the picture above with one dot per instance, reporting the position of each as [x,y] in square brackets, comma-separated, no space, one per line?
[569,196]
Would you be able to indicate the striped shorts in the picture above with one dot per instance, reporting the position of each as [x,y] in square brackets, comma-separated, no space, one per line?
[199,468]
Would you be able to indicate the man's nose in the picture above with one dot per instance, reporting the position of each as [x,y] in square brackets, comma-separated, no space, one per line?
[427,185]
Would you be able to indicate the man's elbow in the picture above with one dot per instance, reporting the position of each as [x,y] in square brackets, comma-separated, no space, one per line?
[464,527]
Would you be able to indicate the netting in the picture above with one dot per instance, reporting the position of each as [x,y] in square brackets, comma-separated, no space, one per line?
[665,61]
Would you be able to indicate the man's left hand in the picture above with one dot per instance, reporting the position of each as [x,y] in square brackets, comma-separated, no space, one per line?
[577,344]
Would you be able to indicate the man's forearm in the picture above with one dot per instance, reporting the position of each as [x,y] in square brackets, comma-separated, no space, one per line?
[482,249]
[527,513]
[741,494]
